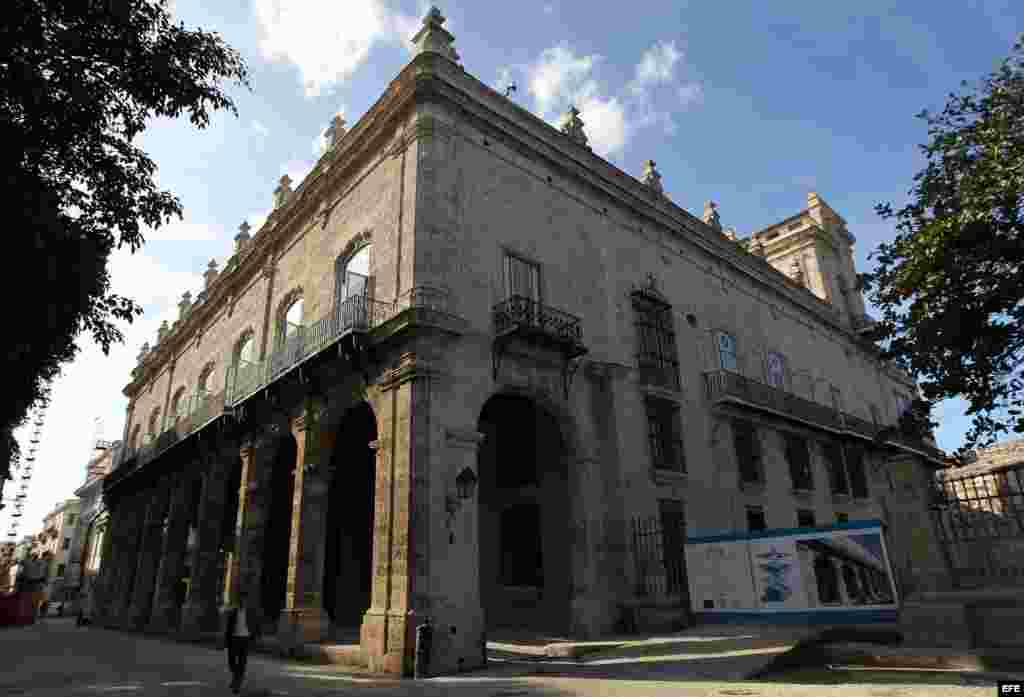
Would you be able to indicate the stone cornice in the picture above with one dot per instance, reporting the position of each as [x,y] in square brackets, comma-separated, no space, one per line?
[302,207]
[518,127]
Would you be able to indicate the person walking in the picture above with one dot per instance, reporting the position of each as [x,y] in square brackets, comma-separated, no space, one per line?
[237,633]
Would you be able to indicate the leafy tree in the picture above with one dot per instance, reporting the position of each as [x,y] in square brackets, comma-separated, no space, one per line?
[951,285]
[78,81]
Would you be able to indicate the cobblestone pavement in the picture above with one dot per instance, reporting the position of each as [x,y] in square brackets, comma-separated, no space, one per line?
[56,659]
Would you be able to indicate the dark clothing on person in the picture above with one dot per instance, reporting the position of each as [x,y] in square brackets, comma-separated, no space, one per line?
[238,646]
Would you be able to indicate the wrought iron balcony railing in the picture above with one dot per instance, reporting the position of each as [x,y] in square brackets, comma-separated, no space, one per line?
[725,385]
[524,315]
[356,314]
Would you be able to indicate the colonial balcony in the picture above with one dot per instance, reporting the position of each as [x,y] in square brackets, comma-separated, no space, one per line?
[539,325]
[358,315]
[727,387]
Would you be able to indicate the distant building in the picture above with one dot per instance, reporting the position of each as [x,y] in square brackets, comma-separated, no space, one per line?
[85,553]
[53,545]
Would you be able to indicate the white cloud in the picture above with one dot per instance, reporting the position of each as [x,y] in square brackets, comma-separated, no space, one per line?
[182,231]
[91,385]
[259,128]
[559,75]
[657,65]
[327,40]
[548,9]
[560,78]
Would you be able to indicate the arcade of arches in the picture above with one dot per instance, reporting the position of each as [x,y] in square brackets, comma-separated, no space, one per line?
[306,520]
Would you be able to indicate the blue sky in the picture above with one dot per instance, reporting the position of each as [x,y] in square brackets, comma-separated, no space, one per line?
[751,105]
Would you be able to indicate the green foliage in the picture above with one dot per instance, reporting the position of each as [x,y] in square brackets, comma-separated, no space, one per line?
[951,285]
[78,82]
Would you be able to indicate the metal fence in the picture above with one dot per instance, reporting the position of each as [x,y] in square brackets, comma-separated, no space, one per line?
[659,555]
[980,521]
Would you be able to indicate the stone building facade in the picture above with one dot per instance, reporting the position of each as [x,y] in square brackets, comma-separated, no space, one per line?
[54,545]
[84,554]
[457,362]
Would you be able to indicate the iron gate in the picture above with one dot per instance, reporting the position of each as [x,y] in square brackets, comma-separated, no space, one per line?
[980,521]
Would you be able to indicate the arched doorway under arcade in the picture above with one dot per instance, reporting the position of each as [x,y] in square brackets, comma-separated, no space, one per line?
[348,553]
[524,516]
[277,530]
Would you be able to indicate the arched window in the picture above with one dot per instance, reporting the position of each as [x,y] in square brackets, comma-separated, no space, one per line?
[289,321]
[727,352]
[245,351]
[179,405]
[353,275]
[135,436]
[205,384]
[154,422]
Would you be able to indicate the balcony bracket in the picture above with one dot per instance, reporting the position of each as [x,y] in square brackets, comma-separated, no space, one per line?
[570,366]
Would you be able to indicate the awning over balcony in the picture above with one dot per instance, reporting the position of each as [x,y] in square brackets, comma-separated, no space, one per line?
[724,386]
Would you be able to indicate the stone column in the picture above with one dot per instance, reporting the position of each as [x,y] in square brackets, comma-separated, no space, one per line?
[102,609]
[200,611]
[463,605]
[246,564]
[165,603]
[149,557]
[401,520]
[303,618]
[128,560]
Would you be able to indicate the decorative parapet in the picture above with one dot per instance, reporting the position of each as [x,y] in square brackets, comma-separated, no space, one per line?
[335,132]
[711,217]
[211,273]
[243,237]
[434,38]
[652,178]
[572,126]
[283,191]
[162,331]
[184,305]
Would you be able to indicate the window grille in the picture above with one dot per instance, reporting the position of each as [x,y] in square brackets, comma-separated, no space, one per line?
[748,452]
[776,370]
[727,352]
[838,483]
[664,435]
[799,462]
[755,519]
[522,278]
[657,354]
[854,457]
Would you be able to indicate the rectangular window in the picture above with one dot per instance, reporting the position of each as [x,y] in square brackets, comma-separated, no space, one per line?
[776,369]
[522,278]
[673,537]
[657,355]
[67,543]
[799,462]
[71,519]
[836,471]
[875,418]
[748,452]
[805,518]
[727,352]
[664,435]
[902,405]
[60,570]
[755,519]
[854,457]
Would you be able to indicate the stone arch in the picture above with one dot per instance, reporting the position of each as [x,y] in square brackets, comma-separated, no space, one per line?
[349,518]
[293,296]
[358,244]
[179,404]
[568,428]
[203,385]
[525,509]
[247,334]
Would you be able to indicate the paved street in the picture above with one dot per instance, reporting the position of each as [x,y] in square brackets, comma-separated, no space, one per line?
[56,659]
